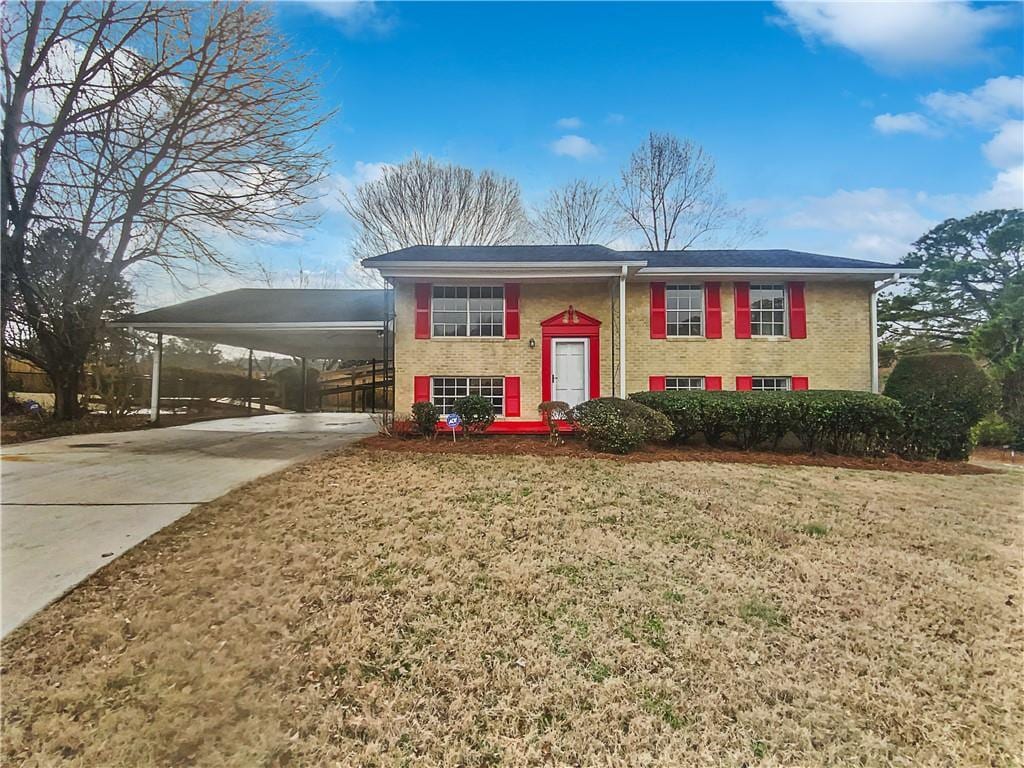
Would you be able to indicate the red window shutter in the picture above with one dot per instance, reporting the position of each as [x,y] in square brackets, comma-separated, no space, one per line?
[421,389]
[713,310]
[512,399]
[422,310]
[744,383]
[797,312]
[656,384]
[657,310]
[742,310]
[713,383]
[511,311]
[798,382]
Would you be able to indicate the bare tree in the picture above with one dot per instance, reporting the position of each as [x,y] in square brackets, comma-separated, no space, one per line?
[156,131]
[668,191]
[424,202]
[577,213]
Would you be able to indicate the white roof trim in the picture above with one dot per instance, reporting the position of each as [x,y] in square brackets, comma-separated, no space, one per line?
[420,264]
[354,325]
[833,271]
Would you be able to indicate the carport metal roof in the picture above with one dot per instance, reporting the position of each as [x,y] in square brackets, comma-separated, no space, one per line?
[302,322]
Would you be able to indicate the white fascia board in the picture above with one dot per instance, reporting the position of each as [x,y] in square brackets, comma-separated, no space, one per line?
[870,273]
[355,325]
[517,271]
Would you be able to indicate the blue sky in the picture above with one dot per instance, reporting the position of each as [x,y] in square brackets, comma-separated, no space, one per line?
[847,129]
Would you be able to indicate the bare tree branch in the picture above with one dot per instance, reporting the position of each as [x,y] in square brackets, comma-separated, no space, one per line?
[577,213]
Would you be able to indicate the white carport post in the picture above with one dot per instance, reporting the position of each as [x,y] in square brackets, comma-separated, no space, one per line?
[154,392]
[622,333]
[874,328]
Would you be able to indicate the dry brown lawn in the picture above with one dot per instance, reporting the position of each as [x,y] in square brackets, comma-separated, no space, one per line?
[375,608]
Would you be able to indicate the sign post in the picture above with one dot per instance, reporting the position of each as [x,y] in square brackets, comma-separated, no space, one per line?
[453,421]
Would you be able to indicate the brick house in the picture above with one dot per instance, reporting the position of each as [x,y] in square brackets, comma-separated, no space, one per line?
[525,324]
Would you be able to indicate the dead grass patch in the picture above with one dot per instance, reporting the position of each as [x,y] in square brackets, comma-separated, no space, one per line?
[377,608]
[518,445]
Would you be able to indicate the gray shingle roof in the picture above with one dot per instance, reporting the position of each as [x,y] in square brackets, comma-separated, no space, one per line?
[503,253]
[546,254]
[272,305]
[755,258]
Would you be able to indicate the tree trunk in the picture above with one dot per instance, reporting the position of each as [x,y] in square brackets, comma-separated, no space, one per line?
[66,386]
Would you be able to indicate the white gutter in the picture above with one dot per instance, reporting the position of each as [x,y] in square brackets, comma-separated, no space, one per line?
[622,332]
[874,324]
[350,325]
[864,272]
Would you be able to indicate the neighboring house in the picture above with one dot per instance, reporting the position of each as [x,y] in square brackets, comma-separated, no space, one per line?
[524,324]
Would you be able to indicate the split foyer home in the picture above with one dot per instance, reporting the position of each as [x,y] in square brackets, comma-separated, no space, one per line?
[520,325]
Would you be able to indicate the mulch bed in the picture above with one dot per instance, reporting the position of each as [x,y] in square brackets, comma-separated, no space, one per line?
[501,445]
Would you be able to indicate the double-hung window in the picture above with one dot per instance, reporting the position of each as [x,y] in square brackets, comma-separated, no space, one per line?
[684,310]
[684,382]
[468,310]
[771,383]
[768,309]
[445,390]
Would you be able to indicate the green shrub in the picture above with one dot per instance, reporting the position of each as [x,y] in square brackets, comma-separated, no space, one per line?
[618,426]
[845,422]
[426,414]
[831,420]
[943,396]
[476,413]
[993,430]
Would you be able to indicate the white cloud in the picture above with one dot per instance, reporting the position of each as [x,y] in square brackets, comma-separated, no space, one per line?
[870,223]
[355,16]
[574,146]
[987,105]
[1006,149]
[905,122]
[615,118]
[1007,191]
[569,123]
[896,35]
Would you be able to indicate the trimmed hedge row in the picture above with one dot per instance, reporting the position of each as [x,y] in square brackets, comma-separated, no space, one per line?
[837,421]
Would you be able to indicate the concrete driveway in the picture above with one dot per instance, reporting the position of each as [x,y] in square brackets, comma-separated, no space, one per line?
[70,505]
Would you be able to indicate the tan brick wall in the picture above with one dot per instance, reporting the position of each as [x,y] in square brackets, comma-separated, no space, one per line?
[835,354]
[497,357]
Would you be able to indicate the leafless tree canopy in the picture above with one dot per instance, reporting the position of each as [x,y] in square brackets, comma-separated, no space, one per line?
[151,130]
[577,213]
[424,202]
[668,191]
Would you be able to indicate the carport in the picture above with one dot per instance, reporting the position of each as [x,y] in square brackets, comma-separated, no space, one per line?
[347,324]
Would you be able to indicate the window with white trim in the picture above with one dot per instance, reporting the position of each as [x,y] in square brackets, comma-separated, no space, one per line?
[445,390]
[684,382]
[468,310]
[768,309]
[771,383]
[684,310]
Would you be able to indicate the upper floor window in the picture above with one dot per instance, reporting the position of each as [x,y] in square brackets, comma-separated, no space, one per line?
[684,310]
[684,382]
[468,310]
[767,309]
[770,383]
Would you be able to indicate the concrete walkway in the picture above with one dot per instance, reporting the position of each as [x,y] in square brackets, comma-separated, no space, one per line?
[72,504]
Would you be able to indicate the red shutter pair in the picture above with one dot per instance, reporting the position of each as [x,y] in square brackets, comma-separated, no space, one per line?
[746,383]
[421,393]
[657,383]
[423,292]
[712,311]
[797,310]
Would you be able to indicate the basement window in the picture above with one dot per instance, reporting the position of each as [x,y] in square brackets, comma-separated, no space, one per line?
[684,382]
[445,390]
[771,383]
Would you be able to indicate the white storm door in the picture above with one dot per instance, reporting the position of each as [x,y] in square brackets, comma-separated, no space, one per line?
[570,383]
